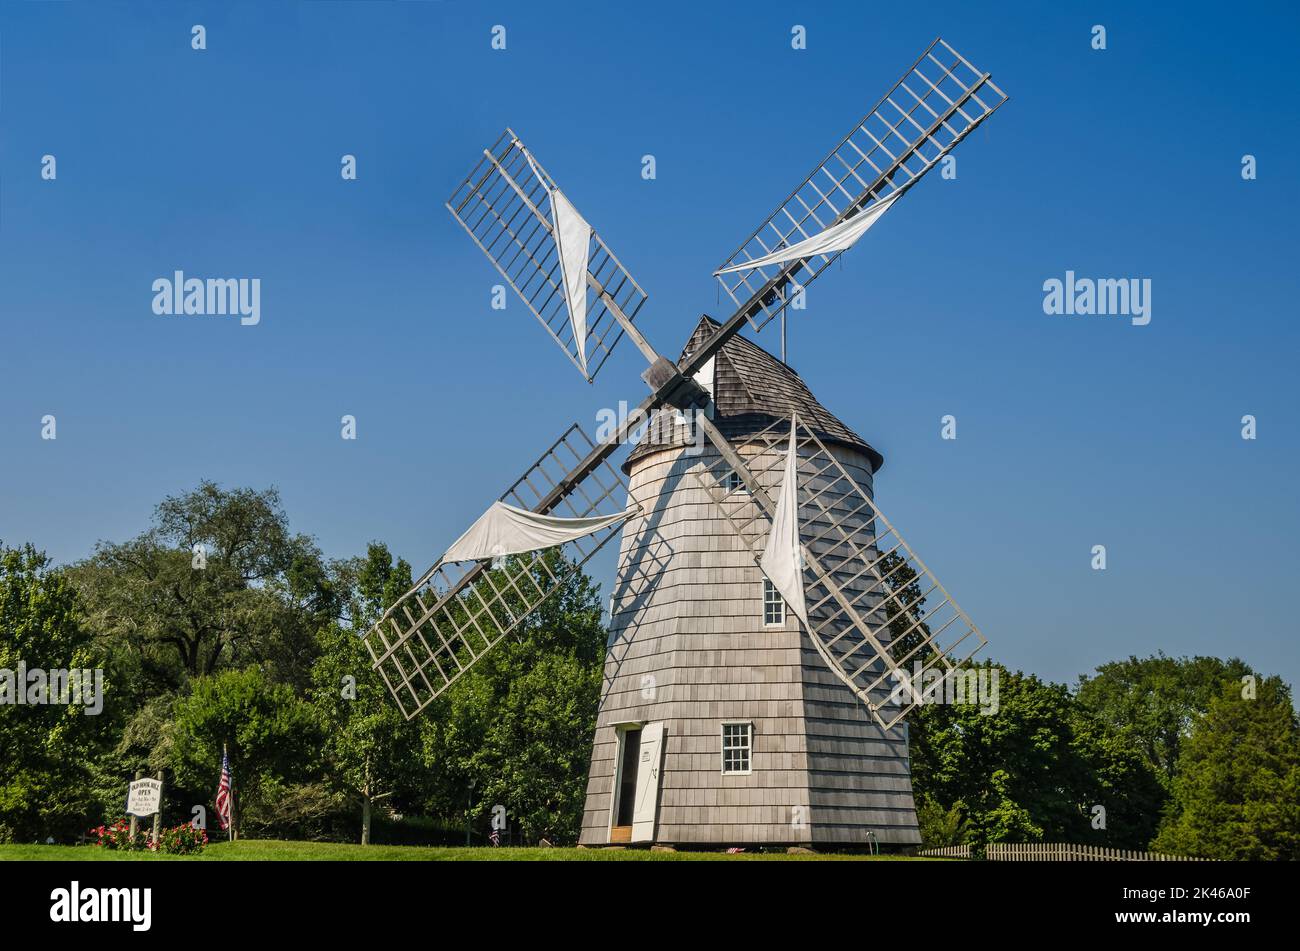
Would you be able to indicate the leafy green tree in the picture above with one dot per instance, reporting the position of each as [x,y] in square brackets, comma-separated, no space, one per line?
[44,748]
[370,749]
[1033,770]
[516,730]
[272,735]
[1154,701]
[1120,782]
[1237,785]
[522,731]
[218,582]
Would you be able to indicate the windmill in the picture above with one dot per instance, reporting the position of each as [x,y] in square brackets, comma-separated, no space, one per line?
[765,612]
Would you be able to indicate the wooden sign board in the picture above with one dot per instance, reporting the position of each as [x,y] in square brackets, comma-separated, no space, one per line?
[143,797]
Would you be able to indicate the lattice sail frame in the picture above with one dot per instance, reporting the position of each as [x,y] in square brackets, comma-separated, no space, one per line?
[507,211]
[936,104]
[458,611]
[873,626]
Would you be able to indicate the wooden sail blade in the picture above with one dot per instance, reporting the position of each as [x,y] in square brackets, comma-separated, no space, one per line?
[936,104]
[457,612]
[505,205]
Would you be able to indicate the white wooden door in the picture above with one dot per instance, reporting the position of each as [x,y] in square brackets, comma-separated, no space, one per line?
[646,805]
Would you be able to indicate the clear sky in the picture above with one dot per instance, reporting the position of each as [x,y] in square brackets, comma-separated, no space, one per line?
[1072,431]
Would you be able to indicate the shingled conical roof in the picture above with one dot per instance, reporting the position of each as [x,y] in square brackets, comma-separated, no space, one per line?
[751,390]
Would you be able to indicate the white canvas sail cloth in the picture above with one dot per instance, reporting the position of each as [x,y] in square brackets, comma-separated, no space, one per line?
[506,530]
[573,242]
[573,239]
[782,560]
[838,237]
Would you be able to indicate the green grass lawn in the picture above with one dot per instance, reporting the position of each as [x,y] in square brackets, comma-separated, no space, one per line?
[274,850]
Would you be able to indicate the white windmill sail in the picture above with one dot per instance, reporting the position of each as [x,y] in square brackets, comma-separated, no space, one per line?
[507,530]
[573,239]
[573,242]
[838,237]
[782,560]
[548,254]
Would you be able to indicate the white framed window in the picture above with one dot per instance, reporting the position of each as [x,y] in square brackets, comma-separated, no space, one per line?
[737,747]
[773,605]
[734,482]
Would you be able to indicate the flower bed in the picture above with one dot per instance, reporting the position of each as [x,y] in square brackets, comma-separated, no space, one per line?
[183,839]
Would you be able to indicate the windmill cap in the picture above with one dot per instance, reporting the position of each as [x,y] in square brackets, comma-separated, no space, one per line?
[752,389]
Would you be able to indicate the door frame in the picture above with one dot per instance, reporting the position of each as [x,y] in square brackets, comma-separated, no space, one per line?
[620,733]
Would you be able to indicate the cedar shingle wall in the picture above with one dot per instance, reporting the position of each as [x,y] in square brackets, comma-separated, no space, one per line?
[688,613]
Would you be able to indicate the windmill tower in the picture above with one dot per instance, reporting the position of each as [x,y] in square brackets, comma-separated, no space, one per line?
[707,674]
[768,623]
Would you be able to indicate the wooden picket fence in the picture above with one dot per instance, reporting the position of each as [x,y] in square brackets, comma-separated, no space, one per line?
[947,852]
[1054,852]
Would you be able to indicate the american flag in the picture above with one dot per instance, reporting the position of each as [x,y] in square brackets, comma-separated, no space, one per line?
[224,792]
[494,836]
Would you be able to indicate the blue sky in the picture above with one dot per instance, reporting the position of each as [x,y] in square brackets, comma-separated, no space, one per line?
[1072,431]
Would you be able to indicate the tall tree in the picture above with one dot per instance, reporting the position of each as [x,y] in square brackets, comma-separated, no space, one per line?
[370,750]
[1154,701]
[46,746]
[1237,786]
[1034,770]
[218,582]
[516,730]
[271,734]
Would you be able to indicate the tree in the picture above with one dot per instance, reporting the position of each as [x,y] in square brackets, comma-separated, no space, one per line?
[516,730]
[1034,771]
[272,735]
[1154,701]
[45,746]
[370,750]
[217,583]
[1237,785]
[1123,798]
[533,726]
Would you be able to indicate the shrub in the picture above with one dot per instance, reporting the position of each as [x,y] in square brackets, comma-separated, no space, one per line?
[184,839]
[308,811]
[118,836]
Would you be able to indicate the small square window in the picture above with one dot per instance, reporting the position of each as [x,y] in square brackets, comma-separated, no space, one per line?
[737,746]
[734,482]
[773,605]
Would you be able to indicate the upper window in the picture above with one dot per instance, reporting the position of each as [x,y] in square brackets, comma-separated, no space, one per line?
[773,604]
[734,482]
[737,747]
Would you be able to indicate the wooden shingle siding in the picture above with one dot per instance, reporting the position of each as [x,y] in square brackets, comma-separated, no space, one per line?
[688,647]
[696,627]
[751,389]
